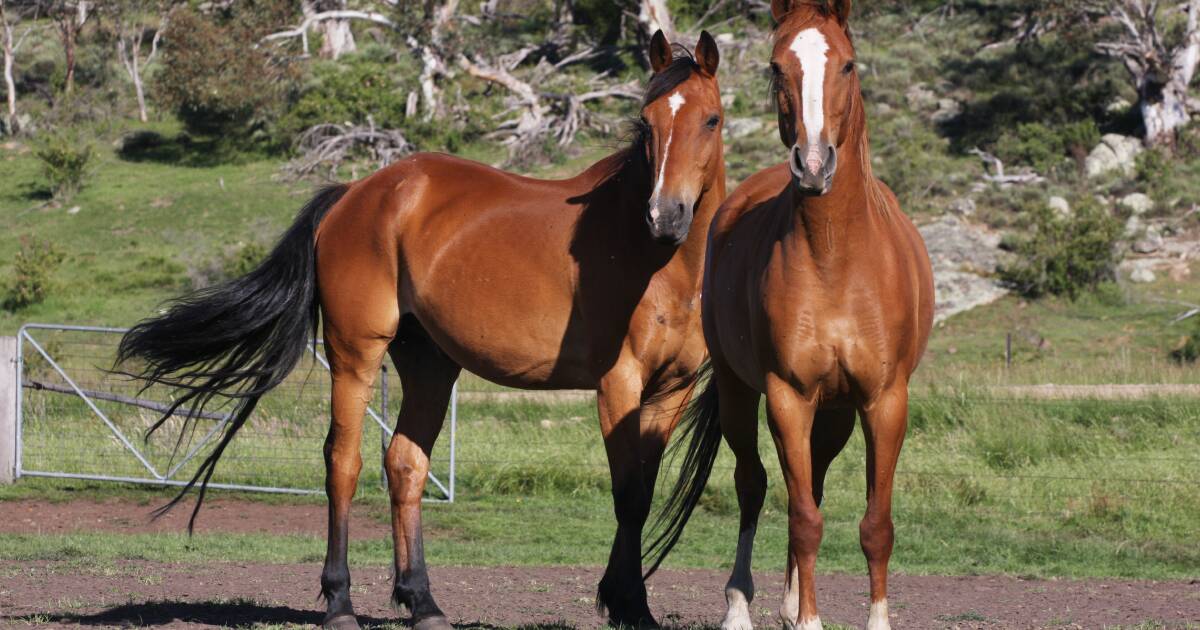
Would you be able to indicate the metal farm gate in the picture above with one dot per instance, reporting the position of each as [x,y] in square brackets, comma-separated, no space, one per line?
[76,420]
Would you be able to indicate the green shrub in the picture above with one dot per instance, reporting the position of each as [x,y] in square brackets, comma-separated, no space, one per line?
[347,92]
[33,266]
[64,164]
[1065,255]
[243,260]
[219,80]
[1044,147]
[1189,351]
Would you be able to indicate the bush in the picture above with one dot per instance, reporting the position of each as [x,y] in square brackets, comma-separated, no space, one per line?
[219,81]
[1065,256]
[32,268]
[1189,351]
[350,92]
[1044,147]
[64,164]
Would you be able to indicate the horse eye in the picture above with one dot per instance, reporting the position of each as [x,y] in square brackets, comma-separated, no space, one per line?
[849,67]
[713,122]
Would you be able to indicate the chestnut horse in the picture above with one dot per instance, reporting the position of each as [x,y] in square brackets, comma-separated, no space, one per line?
[818,293]
[591,282]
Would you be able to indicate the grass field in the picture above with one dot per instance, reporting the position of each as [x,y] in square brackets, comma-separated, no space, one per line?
[986,485]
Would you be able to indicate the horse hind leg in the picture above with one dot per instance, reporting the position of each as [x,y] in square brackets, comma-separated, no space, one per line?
[427,376]
[831,430]
[354,363]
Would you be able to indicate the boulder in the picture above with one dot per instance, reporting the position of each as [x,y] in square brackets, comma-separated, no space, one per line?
[1133,226]
[1137,203]
[741,127]
[1114,153]
[964,258]
[947,110]
[1059,205]
[920,97]
[1142,275]
[1151,243]
[963,206]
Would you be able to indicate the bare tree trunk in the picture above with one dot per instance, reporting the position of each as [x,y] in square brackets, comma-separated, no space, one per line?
[9,84]
[653,15]
[1161,72]
[337,38]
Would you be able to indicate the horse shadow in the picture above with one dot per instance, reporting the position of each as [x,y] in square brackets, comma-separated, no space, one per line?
[228,614]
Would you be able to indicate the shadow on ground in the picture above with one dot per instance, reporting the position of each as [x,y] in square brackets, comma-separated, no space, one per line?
[226,614]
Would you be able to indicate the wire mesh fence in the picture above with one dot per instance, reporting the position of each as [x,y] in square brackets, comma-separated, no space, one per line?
[1079,464]
[79,419]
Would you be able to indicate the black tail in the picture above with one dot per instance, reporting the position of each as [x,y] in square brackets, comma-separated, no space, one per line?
[701,429]
[236,340]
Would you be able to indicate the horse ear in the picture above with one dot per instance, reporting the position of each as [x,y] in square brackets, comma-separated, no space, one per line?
[780,8]
[707,54]
[840,10]
[660,52]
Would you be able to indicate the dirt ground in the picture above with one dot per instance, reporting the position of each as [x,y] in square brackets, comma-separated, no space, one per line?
[137,593]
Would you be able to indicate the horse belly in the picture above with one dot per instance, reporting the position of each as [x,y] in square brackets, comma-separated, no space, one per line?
[500,306]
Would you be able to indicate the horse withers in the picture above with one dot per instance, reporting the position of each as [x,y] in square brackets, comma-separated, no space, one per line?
[818,293]
[591,282]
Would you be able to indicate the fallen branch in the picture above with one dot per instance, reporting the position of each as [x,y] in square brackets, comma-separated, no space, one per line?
[332,144]
[1000,177]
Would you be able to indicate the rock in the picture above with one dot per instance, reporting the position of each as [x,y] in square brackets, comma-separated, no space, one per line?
[1137,203]
[1180,272]
[947,110]
[1059,205]
[964,257]
[920,97]
[883,109]
[74,210]
[1118,106]
[1115,152]
[963,206]
[727,99]
[1142,275]
[725,39]
[1133,226]
[1150,243]
[742,127]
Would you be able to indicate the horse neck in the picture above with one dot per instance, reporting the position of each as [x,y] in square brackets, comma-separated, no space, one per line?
[854,203]
[691,253]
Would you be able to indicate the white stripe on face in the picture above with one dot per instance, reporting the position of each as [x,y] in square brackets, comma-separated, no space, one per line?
[676,101]
[811,48]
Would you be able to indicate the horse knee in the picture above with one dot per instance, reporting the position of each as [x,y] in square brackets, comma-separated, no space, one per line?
[876,535]
[806,525]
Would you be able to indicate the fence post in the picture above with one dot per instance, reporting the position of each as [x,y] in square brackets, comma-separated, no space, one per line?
[8,409]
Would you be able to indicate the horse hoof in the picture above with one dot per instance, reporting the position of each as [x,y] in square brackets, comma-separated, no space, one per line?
[433,623]
[341,622]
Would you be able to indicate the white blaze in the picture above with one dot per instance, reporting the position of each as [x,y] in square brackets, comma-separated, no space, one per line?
[811,48]
[675,101]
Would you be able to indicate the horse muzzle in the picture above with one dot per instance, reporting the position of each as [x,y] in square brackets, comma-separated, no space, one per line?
[813,167]
[669,220]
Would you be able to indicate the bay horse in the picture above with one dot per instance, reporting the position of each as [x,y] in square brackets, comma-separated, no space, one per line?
[591,282]
[818,294]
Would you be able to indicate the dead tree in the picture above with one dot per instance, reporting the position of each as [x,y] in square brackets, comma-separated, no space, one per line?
[11,39]
[69,17]
[1161,70]
[317,19]
[337,37]
[131,37]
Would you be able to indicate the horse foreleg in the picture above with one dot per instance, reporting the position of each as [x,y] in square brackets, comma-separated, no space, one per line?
[428,378]
[790,417]
[738,412]
[884,423]
[621,592]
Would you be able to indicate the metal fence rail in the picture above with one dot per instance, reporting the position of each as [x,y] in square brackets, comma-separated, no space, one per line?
[77,420]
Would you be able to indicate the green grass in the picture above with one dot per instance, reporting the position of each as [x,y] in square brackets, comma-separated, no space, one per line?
[1047,489]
